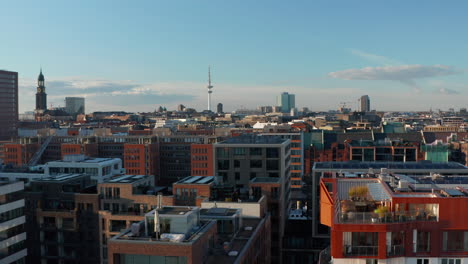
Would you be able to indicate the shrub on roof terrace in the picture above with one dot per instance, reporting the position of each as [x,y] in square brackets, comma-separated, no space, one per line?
[358,193]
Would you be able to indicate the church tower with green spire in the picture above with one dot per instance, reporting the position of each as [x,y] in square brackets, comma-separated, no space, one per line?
[41,96]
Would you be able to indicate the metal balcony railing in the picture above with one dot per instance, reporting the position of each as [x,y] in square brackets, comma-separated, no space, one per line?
[361,250]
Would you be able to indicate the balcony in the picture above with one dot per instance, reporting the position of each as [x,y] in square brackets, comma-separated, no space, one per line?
[383,218]
[395,250]
[361,250]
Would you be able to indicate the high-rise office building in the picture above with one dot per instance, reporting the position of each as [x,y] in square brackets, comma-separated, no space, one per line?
[219,108]
[75,105]
[364,103]
[286,101]
[8,104]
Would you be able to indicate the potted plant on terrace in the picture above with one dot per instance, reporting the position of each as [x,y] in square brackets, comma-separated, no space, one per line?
[382,211]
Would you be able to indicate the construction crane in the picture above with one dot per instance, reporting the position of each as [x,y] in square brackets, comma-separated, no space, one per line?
[343,107]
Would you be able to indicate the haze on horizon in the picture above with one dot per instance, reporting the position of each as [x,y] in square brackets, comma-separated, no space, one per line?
[122,56]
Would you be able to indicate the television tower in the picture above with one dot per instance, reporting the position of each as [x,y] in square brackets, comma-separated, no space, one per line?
[209,88]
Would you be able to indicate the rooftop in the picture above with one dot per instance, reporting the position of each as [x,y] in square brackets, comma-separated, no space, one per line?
[218,212]
[265,180]
[60,178]
[254,139]
[424,165]
[196,180]
[78,158]
[126,178]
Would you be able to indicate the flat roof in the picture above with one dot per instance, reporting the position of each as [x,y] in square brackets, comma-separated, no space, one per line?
[215,211]
[423,165]
[60,177]
[196,180]
[265,180]
[173,210]
[254,139]
[126,179]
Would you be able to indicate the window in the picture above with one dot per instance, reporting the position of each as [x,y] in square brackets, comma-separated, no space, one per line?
[255,164]
[237,176]
[371,261]
[255,151]
[450,261]
[421,241]
[454,241]
[236,163]
[239,151]
[422,261]
[272,152]
[223,164]
[272,164]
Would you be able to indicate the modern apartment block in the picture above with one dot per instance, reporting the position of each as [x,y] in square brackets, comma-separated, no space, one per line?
[100,169]
[193,190]
[394,218]
[201,160]
[8,104]
[12,223]
[297,156]
[187,235]
[141,159]
[247,160]
[62,220]
[351,169]
[125,200]
[175,156]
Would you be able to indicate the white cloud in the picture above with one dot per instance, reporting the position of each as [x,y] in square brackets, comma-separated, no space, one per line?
[405,73]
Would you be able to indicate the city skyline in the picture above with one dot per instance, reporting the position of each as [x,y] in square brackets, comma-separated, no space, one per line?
[136,58]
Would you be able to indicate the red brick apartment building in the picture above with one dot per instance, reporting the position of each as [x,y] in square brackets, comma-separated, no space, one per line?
[396,219]
[202,163]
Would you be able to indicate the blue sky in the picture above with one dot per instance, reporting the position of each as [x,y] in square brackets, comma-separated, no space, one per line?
[137,55]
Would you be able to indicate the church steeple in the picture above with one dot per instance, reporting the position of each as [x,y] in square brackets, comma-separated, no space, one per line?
[41,80]
[41,96]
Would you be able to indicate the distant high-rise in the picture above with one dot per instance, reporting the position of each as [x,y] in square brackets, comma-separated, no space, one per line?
[8,104]
[181,108]
[41,96]
[75,105]
[219,108]
[364,103]
[286,101]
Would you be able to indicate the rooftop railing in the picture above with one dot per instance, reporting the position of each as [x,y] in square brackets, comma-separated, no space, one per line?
[390,217]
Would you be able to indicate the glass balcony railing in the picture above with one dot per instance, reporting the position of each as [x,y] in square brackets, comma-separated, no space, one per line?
[361,250]
[390,217]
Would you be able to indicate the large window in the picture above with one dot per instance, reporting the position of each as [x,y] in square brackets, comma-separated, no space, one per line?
[272,152]
[395,243]
[360,243]
[450,261]
[421,241]
[455,241]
